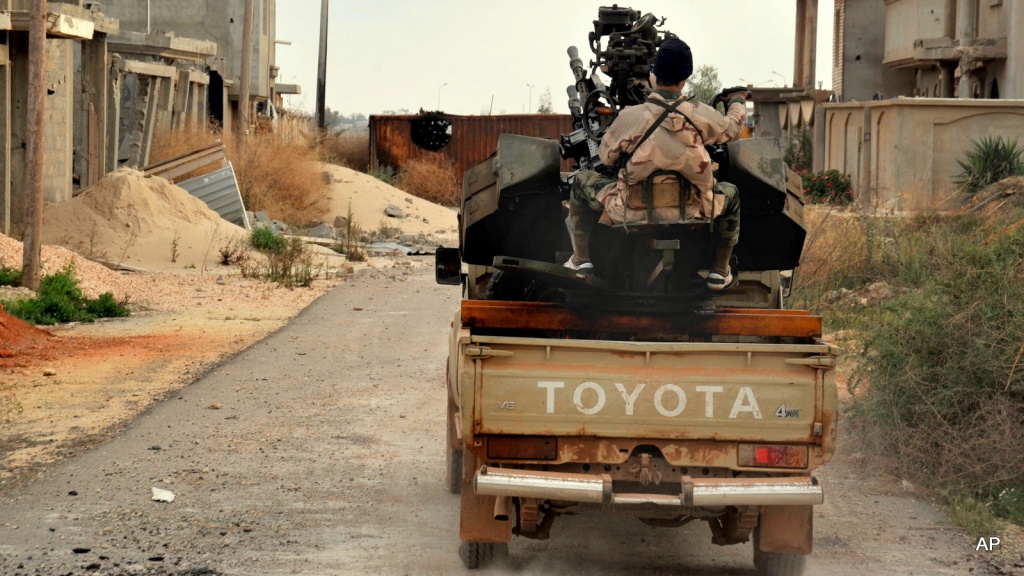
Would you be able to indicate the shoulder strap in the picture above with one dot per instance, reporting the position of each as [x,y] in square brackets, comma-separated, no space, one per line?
[669,109]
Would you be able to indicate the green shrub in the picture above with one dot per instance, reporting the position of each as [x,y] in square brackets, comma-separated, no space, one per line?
[828,187]
[973,516]
[264,239]
[943,365]
[9,276]
[991,160]
[106,306]
[294,265]
[60,300]
[385,174]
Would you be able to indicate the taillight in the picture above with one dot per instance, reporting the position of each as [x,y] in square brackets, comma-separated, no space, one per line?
[522,447]
[772,456]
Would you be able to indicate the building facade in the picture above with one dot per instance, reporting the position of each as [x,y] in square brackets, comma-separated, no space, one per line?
[218,21]
[928,48]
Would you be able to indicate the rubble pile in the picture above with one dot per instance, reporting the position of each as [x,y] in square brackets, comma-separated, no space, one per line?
[147,222]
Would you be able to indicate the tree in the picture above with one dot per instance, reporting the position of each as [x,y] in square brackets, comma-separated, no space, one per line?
[333,119]
[544,105]
[704,84]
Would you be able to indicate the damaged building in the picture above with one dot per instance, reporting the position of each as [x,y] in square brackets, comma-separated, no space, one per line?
[117,72]
[917,83]
[928,48]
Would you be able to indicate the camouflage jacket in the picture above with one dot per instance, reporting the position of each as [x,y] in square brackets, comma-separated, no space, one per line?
[676,145]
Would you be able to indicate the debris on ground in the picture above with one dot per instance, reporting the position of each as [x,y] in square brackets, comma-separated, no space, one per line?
[129,218]
[160,495]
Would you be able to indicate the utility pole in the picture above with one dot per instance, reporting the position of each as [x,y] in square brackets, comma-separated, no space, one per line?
[321,75]
[34,144]
[531,99]
[439,95]
[245,76]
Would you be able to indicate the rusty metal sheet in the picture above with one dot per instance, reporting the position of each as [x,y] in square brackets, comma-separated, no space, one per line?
[541,316]
[474,138]
[787,529]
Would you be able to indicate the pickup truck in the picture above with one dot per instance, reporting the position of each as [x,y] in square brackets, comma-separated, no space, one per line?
[718,412]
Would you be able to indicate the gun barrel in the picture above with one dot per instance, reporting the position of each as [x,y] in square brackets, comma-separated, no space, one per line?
[578,72]
[575,106]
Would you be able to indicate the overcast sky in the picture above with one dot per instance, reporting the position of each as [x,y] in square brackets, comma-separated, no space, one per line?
[395,54]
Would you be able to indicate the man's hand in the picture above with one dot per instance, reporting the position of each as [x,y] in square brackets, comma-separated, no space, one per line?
[745,94]
[729,93]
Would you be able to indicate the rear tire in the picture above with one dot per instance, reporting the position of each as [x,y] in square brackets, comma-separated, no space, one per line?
[481,554]
[776,563]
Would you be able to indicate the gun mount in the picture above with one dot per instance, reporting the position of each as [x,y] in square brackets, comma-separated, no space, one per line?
[624,44]
[513,213]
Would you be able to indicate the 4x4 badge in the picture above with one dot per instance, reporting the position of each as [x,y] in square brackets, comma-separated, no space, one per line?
[783,413]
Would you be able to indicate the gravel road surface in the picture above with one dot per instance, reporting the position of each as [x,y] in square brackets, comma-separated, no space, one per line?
[320,451]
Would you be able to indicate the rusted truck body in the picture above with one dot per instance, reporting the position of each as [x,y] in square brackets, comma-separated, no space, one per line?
[724,425]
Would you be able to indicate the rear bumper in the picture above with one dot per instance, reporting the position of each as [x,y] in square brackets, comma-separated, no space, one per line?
[597,489]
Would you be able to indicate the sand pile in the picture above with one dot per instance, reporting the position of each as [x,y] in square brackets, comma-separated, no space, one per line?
[370,197]
[131,219]
[94,279]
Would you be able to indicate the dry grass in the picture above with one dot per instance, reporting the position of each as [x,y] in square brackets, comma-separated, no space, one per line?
[431,177]
[939,371]
[349,149]
[275,174]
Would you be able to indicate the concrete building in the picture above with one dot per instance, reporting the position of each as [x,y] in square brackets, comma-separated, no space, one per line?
[218,21]
[77,78]
[928,48]
[903,153]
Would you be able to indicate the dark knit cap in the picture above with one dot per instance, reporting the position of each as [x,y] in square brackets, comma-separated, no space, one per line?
[674,62]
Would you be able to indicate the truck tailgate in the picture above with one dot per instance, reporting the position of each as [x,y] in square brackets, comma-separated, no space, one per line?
[762,392]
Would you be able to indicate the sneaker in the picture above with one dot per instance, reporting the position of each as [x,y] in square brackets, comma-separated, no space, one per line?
[719,283]
[585,268]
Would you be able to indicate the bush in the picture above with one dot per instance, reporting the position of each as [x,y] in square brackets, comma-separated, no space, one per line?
[294,265]
[264,239]
[352,247]
[348,149]
[276,174]
[991,160]
[385,174]
[828,187]
[60,300]
[9,276]
[939,385]
[431,177]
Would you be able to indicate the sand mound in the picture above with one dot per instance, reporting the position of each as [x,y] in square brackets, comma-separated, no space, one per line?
[369,197]
[94,279]
[135,220]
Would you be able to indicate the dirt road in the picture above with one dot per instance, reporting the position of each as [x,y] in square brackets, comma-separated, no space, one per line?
[319,451]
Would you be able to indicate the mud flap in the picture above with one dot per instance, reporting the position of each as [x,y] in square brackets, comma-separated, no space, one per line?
[787,529]
[477,523]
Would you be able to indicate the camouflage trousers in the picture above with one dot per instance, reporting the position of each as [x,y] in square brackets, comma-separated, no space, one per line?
[587,185]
